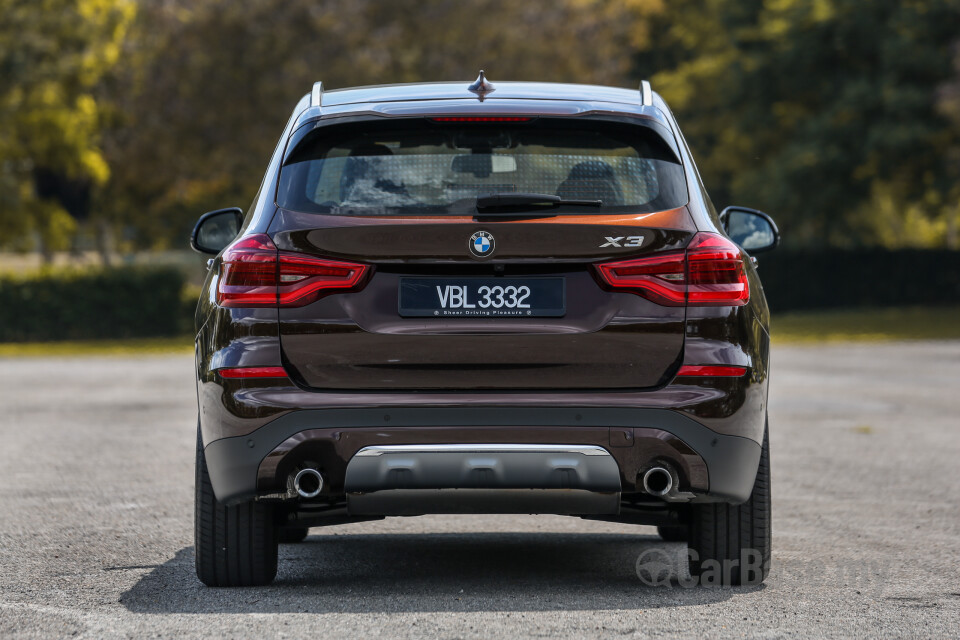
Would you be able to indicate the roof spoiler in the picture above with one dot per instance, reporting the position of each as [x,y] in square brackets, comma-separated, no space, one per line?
[646,94]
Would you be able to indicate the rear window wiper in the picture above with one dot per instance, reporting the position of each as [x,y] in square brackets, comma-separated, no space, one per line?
[514,201]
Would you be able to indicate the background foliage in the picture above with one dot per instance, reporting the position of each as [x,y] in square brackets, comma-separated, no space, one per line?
[866,278]
[833,115]
[122,120]
[53,56]
[73,304]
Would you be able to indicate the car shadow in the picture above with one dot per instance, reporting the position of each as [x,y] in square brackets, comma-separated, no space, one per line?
[376,573]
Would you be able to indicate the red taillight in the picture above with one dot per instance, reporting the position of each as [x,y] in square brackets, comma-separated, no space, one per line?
[248,273]
[254,274]
[715,272]
[253,372]
[660,278]
[708,273]
[711,370]
[481,119]
[304,279]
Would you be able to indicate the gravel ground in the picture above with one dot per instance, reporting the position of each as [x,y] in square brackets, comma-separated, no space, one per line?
[96,462]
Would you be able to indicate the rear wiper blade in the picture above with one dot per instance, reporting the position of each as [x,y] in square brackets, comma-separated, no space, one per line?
[511,200]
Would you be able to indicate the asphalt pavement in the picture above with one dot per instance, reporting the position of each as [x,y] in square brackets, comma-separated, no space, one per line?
[96,517]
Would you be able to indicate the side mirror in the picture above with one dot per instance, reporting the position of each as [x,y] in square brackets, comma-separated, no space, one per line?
[216,229]
[753,230]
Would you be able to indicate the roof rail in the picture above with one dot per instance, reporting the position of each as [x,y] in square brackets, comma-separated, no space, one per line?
[316,96]
[646,95]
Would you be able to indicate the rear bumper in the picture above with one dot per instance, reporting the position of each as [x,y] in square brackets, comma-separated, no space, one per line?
[713,466]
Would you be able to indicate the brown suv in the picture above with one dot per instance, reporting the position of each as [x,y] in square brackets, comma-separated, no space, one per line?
[468,298]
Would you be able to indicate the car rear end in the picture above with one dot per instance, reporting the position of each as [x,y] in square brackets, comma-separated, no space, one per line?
[403,337]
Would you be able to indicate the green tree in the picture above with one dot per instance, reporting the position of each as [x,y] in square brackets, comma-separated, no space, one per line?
[822,112]
[52,55]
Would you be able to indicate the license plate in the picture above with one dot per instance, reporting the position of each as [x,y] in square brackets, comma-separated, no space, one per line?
[482,297]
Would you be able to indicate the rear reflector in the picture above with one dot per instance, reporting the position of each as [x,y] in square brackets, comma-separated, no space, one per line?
[253,372]
[481,119]
[709,272]
[253,273]
[711,370]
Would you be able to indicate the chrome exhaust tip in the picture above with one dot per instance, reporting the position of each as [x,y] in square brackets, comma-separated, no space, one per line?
[308,483]
[658,481]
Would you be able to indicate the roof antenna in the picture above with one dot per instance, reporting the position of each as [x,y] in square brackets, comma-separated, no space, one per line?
[481,86]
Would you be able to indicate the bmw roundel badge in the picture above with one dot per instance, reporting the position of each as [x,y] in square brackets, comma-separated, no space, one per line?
[482,244]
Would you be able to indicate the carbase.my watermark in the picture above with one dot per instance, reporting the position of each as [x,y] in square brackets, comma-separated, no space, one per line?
[657,567]
[669,566]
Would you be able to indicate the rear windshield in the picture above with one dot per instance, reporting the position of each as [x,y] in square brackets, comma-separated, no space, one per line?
[422,166]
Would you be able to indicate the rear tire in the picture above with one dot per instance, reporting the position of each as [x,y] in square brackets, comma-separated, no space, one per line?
[730,545]
[235,546]
[291,535]
[673,533]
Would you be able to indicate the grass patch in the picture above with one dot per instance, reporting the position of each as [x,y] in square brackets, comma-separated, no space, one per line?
[133,346]
[867,325]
